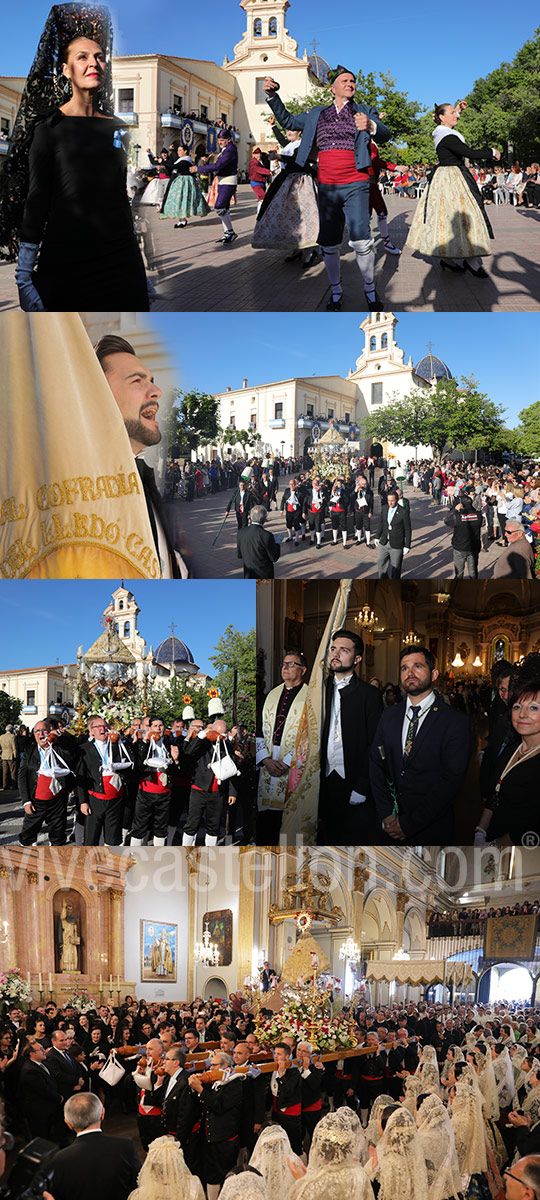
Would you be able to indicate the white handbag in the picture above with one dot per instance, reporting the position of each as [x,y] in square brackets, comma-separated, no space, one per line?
[223,767]
[113,1071]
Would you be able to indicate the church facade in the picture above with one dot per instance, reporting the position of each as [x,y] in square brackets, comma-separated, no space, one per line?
[284,412]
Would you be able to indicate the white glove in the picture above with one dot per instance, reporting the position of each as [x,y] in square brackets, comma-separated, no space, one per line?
[406,549]
[376,542]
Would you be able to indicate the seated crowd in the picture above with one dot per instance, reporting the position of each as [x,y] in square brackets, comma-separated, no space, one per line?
[436,1102]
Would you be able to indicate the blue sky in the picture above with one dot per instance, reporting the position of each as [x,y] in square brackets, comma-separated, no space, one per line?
[213,350]
[409,40]
[45,620]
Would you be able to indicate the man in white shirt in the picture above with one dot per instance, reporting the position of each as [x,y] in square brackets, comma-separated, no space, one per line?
[419,758]
[353,709]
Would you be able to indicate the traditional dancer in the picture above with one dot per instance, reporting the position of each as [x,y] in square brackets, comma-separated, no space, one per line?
[376,198]
[342,133]
[155,190]
[259,176]
[288,218]
[450,221]
[64,185]
[226,169]
[183,197]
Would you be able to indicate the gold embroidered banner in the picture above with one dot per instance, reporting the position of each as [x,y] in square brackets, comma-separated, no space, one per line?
[71,500]
[510,937]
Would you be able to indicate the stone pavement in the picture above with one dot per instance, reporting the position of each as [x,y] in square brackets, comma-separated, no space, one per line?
[430,556]
[192,273]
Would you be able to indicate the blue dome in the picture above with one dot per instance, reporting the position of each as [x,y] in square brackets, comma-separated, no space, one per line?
[432,367]
[172,650]
[319,67]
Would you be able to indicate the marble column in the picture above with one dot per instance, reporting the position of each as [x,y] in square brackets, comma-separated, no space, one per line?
[116,962]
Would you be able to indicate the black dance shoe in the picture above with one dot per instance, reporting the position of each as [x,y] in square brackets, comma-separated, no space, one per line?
[334,305]
[375,304]
[480,273]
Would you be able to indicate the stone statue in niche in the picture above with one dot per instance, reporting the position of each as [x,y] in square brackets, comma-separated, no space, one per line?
[68,940]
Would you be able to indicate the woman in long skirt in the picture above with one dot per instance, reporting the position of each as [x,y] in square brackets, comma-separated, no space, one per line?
[183,197]
[450,221]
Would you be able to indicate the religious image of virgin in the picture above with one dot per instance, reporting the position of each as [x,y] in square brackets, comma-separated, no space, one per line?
[64,203]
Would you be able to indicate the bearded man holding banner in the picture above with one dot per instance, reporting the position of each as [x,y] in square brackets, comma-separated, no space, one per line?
[74,500]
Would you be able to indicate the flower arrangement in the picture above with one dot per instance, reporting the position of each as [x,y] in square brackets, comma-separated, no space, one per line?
[82,1000]
[14,989]
[332,1033]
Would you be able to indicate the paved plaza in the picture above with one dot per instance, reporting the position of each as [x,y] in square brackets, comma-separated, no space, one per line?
[192,273]
[430,556]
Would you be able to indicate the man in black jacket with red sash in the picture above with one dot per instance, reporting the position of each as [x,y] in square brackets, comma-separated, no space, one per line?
[100,789]
[207,793]
[45,794]
[286,1088]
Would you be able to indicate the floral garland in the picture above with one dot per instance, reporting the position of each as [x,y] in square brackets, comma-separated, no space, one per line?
[14,989]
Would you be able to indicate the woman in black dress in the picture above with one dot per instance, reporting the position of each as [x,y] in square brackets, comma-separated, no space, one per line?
[516,804]
[67,176]
[450,221]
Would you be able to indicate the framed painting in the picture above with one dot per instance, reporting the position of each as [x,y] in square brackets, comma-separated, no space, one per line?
[159,946]
[220,928]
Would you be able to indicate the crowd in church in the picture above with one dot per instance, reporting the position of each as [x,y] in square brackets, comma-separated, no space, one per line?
[439,1102]
[470,922]
[144,785]
[395,761]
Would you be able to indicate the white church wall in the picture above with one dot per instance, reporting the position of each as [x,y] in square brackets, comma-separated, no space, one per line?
[223,876]
[156,891]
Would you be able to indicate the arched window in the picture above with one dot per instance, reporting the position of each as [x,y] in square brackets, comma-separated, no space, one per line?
[384,341]
[373,343]
[257,28]
[272,27]
[127,629]
[120,605]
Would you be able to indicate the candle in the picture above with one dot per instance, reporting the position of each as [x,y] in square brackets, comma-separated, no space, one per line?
[110,983]
[50,982]
[101,983]
[118,983]
[40,982]
[28,978]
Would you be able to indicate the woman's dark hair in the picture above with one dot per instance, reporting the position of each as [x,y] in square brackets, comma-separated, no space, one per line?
[387,1113]
[525,679]
[420,1099]
[459,1069]
[438,110]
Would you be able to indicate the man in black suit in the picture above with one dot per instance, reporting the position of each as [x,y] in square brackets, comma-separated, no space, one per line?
[266,976]
[243,503]
[419,758]
[258,548]
[42,805]
[137,397]
[100,790]
[37,1094]
[353,709]
[207,794]
[179,1112]
[65,1072]
[392,536]
[94,1164]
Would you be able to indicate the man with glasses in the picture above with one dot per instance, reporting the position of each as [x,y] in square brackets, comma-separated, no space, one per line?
[179,1108]
[522,1179]
[281,716]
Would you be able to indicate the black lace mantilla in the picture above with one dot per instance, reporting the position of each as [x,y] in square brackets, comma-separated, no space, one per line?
[45,90]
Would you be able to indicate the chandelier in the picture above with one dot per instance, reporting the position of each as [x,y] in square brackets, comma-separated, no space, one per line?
[411,639]
[350,950]
[478,661]
[206,952]
[458,661]
[366,618]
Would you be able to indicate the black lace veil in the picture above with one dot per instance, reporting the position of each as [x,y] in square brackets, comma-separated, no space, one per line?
[45,90]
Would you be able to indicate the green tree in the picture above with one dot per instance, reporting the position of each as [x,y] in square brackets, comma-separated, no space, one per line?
[450,416]
[505,105]
[236,649]
[193,420]
[529,430]
[169,701]
[10,710]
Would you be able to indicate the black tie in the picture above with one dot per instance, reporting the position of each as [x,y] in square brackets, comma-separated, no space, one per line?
[411,732]
[154,505]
